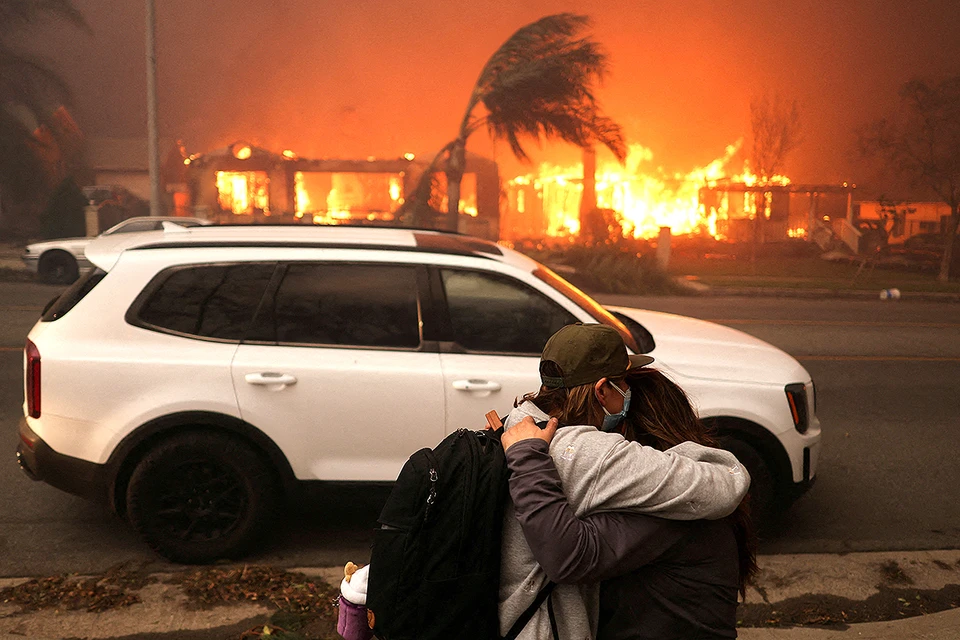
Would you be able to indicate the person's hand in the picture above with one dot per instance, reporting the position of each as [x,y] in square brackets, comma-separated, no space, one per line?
[527,429]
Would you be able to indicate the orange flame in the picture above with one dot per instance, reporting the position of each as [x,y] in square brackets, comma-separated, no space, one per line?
[644,197]
[339,198]
[243,191]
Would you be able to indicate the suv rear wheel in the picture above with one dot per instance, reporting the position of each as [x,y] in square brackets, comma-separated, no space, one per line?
[202,496]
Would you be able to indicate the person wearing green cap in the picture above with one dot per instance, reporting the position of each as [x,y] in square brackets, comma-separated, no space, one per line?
[582,370]
[659,579]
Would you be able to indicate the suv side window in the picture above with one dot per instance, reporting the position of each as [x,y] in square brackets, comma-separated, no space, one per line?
[361,305]
[210,301]
[489,312]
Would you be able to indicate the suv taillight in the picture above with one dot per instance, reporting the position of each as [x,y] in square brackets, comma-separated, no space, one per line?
[33,379]
[797,399]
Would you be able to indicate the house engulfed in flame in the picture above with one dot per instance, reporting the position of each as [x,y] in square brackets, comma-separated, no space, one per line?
[717,200]
[243,183]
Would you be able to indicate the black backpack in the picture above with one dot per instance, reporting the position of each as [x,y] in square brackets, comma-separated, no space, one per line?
[435,562]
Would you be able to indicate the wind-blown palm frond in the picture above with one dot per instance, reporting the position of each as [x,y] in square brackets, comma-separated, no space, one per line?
[18,13]
[29,83]
[30,93]
[541,83]
[21,171]
[529,43]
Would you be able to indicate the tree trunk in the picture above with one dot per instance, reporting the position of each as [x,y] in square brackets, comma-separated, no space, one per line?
[588,197]
[755,231]
[948,242]
[456,164]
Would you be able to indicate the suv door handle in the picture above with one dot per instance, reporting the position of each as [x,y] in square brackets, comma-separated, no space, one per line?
[476,385]
[270,378]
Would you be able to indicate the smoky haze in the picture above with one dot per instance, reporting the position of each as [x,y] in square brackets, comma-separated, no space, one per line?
[383,77]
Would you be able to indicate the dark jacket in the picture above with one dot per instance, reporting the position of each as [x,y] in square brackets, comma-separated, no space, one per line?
[662,579]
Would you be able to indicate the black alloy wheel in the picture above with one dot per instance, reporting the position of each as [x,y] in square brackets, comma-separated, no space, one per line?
[201,496]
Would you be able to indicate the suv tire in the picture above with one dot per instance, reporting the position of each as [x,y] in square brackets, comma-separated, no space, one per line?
[58,267]
[763,489]
[202,496]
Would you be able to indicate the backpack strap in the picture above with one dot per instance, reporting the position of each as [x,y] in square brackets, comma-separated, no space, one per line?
[532,609]
[553,618]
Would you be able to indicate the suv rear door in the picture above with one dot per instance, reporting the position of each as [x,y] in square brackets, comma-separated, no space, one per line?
[335,371]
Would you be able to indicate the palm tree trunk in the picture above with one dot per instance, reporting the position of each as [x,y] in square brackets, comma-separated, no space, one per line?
[588,197]
[456,164]
[948,244]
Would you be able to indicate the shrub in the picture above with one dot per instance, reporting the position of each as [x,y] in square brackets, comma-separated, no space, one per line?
[609,269]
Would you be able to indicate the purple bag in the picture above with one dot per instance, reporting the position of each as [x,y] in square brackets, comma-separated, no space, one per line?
[352,621]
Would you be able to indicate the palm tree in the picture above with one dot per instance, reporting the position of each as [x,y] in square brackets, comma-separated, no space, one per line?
[540,83]
[30,94]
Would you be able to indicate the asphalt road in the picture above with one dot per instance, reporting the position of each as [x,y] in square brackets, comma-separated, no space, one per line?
[888,379]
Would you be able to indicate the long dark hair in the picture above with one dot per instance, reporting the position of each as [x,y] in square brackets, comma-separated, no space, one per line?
[576,405]
[661,416]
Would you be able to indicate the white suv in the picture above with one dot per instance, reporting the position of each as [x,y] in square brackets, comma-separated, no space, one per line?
[198,376]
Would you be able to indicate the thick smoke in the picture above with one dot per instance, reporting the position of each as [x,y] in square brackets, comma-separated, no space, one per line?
[382,77]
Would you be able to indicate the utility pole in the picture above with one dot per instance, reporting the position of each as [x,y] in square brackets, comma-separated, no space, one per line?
[153,143]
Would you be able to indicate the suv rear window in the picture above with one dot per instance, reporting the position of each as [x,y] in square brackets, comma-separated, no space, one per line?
[208,301]
[360,305]
[74,294]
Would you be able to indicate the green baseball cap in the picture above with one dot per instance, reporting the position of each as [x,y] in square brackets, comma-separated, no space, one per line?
[587,352]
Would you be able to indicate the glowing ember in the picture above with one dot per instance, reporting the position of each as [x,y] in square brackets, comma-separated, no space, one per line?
[643,196]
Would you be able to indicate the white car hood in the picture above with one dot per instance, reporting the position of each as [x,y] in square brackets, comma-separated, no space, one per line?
[699,349]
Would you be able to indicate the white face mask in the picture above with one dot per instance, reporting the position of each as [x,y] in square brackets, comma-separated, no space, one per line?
[612,420]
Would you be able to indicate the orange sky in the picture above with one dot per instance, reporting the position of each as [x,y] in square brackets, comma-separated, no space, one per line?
[382,77]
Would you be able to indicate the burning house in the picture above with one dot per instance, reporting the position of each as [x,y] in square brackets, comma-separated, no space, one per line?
[714,200]
[242,183]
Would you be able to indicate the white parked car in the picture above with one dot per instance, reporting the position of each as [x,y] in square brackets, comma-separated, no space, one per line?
[197,376]
[62,260]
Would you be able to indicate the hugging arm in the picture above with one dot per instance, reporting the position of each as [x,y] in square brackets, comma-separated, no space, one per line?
[686,482]
[572,550]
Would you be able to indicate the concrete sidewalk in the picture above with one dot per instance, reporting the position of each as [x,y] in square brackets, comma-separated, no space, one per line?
[936,626]
[790,587]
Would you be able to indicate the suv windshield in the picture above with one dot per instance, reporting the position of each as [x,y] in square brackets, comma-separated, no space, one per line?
[588,304]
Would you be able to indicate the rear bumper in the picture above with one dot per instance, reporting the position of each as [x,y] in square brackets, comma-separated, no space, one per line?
[73,475]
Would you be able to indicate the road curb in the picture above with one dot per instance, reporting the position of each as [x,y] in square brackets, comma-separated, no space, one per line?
[819,294]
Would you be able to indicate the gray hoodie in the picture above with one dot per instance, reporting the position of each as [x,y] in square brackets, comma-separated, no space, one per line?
[603,472]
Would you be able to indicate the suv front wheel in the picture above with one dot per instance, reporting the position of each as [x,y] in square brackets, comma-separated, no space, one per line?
[201,496]
[763,490]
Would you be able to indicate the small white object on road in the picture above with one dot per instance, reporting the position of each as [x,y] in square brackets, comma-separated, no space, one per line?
[890,294]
